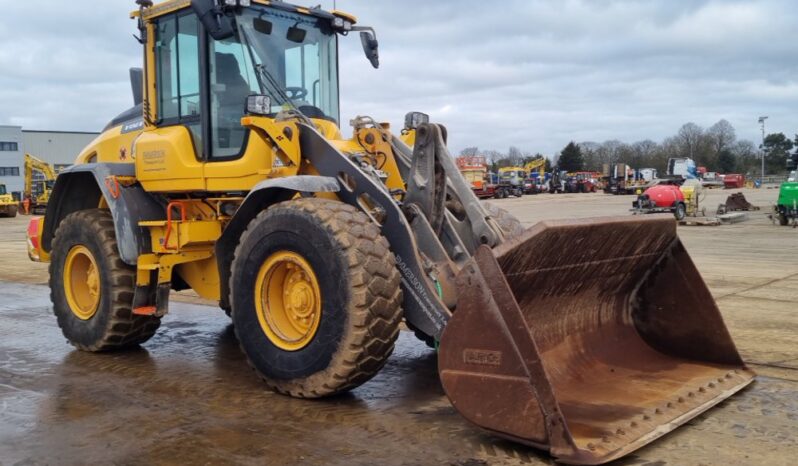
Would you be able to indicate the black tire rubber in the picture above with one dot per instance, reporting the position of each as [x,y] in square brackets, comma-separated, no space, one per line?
[783,220]
[360,288]
[680,211]
[511,226]
[113,326]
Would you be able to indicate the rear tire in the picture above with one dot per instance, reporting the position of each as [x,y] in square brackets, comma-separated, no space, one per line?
[783,220]
[352,275]
[88,238]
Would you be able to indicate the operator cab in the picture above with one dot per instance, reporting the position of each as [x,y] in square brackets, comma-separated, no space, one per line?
[211,57]
[279,54]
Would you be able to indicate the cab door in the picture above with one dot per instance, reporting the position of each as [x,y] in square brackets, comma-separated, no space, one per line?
[169,153]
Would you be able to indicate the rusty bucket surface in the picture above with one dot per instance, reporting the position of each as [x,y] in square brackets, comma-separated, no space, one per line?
[588,338]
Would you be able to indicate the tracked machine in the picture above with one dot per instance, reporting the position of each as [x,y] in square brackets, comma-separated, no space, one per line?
[231,177]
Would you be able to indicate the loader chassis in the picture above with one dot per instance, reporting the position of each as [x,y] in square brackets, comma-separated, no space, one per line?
[230,176]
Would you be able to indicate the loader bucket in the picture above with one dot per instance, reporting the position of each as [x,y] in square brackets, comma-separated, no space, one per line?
[587,338]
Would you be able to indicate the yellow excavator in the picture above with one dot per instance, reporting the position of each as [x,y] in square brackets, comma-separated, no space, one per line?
[538,164]
[38,191]
[230,176]
[8,205]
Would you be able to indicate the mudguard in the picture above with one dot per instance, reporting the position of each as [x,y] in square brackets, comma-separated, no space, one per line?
[264,194]
[79,187]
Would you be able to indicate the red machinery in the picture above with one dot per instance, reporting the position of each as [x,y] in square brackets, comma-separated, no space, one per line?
[734,181]
[661,198]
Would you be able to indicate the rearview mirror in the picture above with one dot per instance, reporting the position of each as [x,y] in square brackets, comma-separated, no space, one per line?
[296,34]
[371,47]
[137,84]
[213,18]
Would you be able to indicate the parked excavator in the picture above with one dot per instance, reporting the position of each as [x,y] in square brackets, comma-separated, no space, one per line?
[539,165]
[38,190]
[232,177]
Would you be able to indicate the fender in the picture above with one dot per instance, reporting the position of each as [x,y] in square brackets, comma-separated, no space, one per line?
[264,194]
[81,187]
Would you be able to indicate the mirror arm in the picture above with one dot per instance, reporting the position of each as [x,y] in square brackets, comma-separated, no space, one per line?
[366,29]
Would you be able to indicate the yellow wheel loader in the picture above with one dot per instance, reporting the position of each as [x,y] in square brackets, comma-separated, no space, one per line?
[8,205]
[230,176]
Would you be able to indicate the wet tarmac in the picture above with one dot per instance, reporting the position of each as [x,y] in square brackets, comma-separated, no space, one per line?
[187,396]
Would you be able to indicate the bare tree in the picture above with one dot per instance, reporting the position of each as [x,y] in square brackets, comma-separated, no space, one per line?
[643,154]
[515,156]
[722,136]
[493,158]
[747,156]
[470,151]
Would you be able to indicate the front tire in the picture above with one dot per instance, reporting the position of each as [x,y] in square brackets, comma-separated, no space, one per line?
[316,297]
[92,288]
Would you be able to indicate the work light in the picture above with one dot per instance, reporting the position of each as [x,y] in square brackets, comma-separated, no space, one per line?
[259,104]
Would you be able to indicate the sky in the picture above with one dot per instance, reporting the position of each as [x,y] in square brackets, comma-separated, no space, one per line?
[528,73]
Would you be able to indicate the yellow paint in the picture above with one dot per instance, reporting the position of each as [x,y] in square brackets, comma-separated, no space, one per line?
[539,165]
[409,137]
[81,282]
[162,9]
[183,235]
[202,276]
[166,161]
[288,300]
[34,164]
[347,16]
[197,268]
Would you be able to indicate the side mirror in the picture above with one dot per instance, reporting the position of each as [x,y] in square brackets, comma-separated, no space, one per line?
[213,18]
[371,47]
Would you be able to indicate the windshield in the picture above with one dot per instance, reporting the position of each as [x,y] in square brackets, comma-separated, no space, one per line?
[297,54]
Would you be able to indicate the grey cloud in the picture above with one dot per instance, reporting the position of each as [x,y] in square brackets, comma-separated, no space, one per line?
[534,74]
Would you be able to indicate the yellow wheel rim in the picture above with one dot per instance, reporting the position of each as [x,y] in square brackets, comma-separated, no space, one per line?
[288,300]
[82,282]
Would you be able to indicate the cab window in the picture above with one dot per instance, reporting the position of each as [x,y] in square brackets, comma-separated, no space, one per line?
[232,79]
[177,73]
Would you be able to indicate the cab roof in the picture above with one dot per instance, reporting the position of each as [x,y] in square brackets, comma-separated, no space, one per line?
[169,6]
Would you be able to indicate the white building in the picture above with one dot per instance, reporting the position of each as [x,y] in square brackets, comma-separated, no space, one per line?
[58,148]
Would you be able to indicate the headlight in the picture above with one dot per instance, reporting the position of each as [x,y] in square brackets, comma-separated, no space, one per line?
[237,2]
[259,105]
